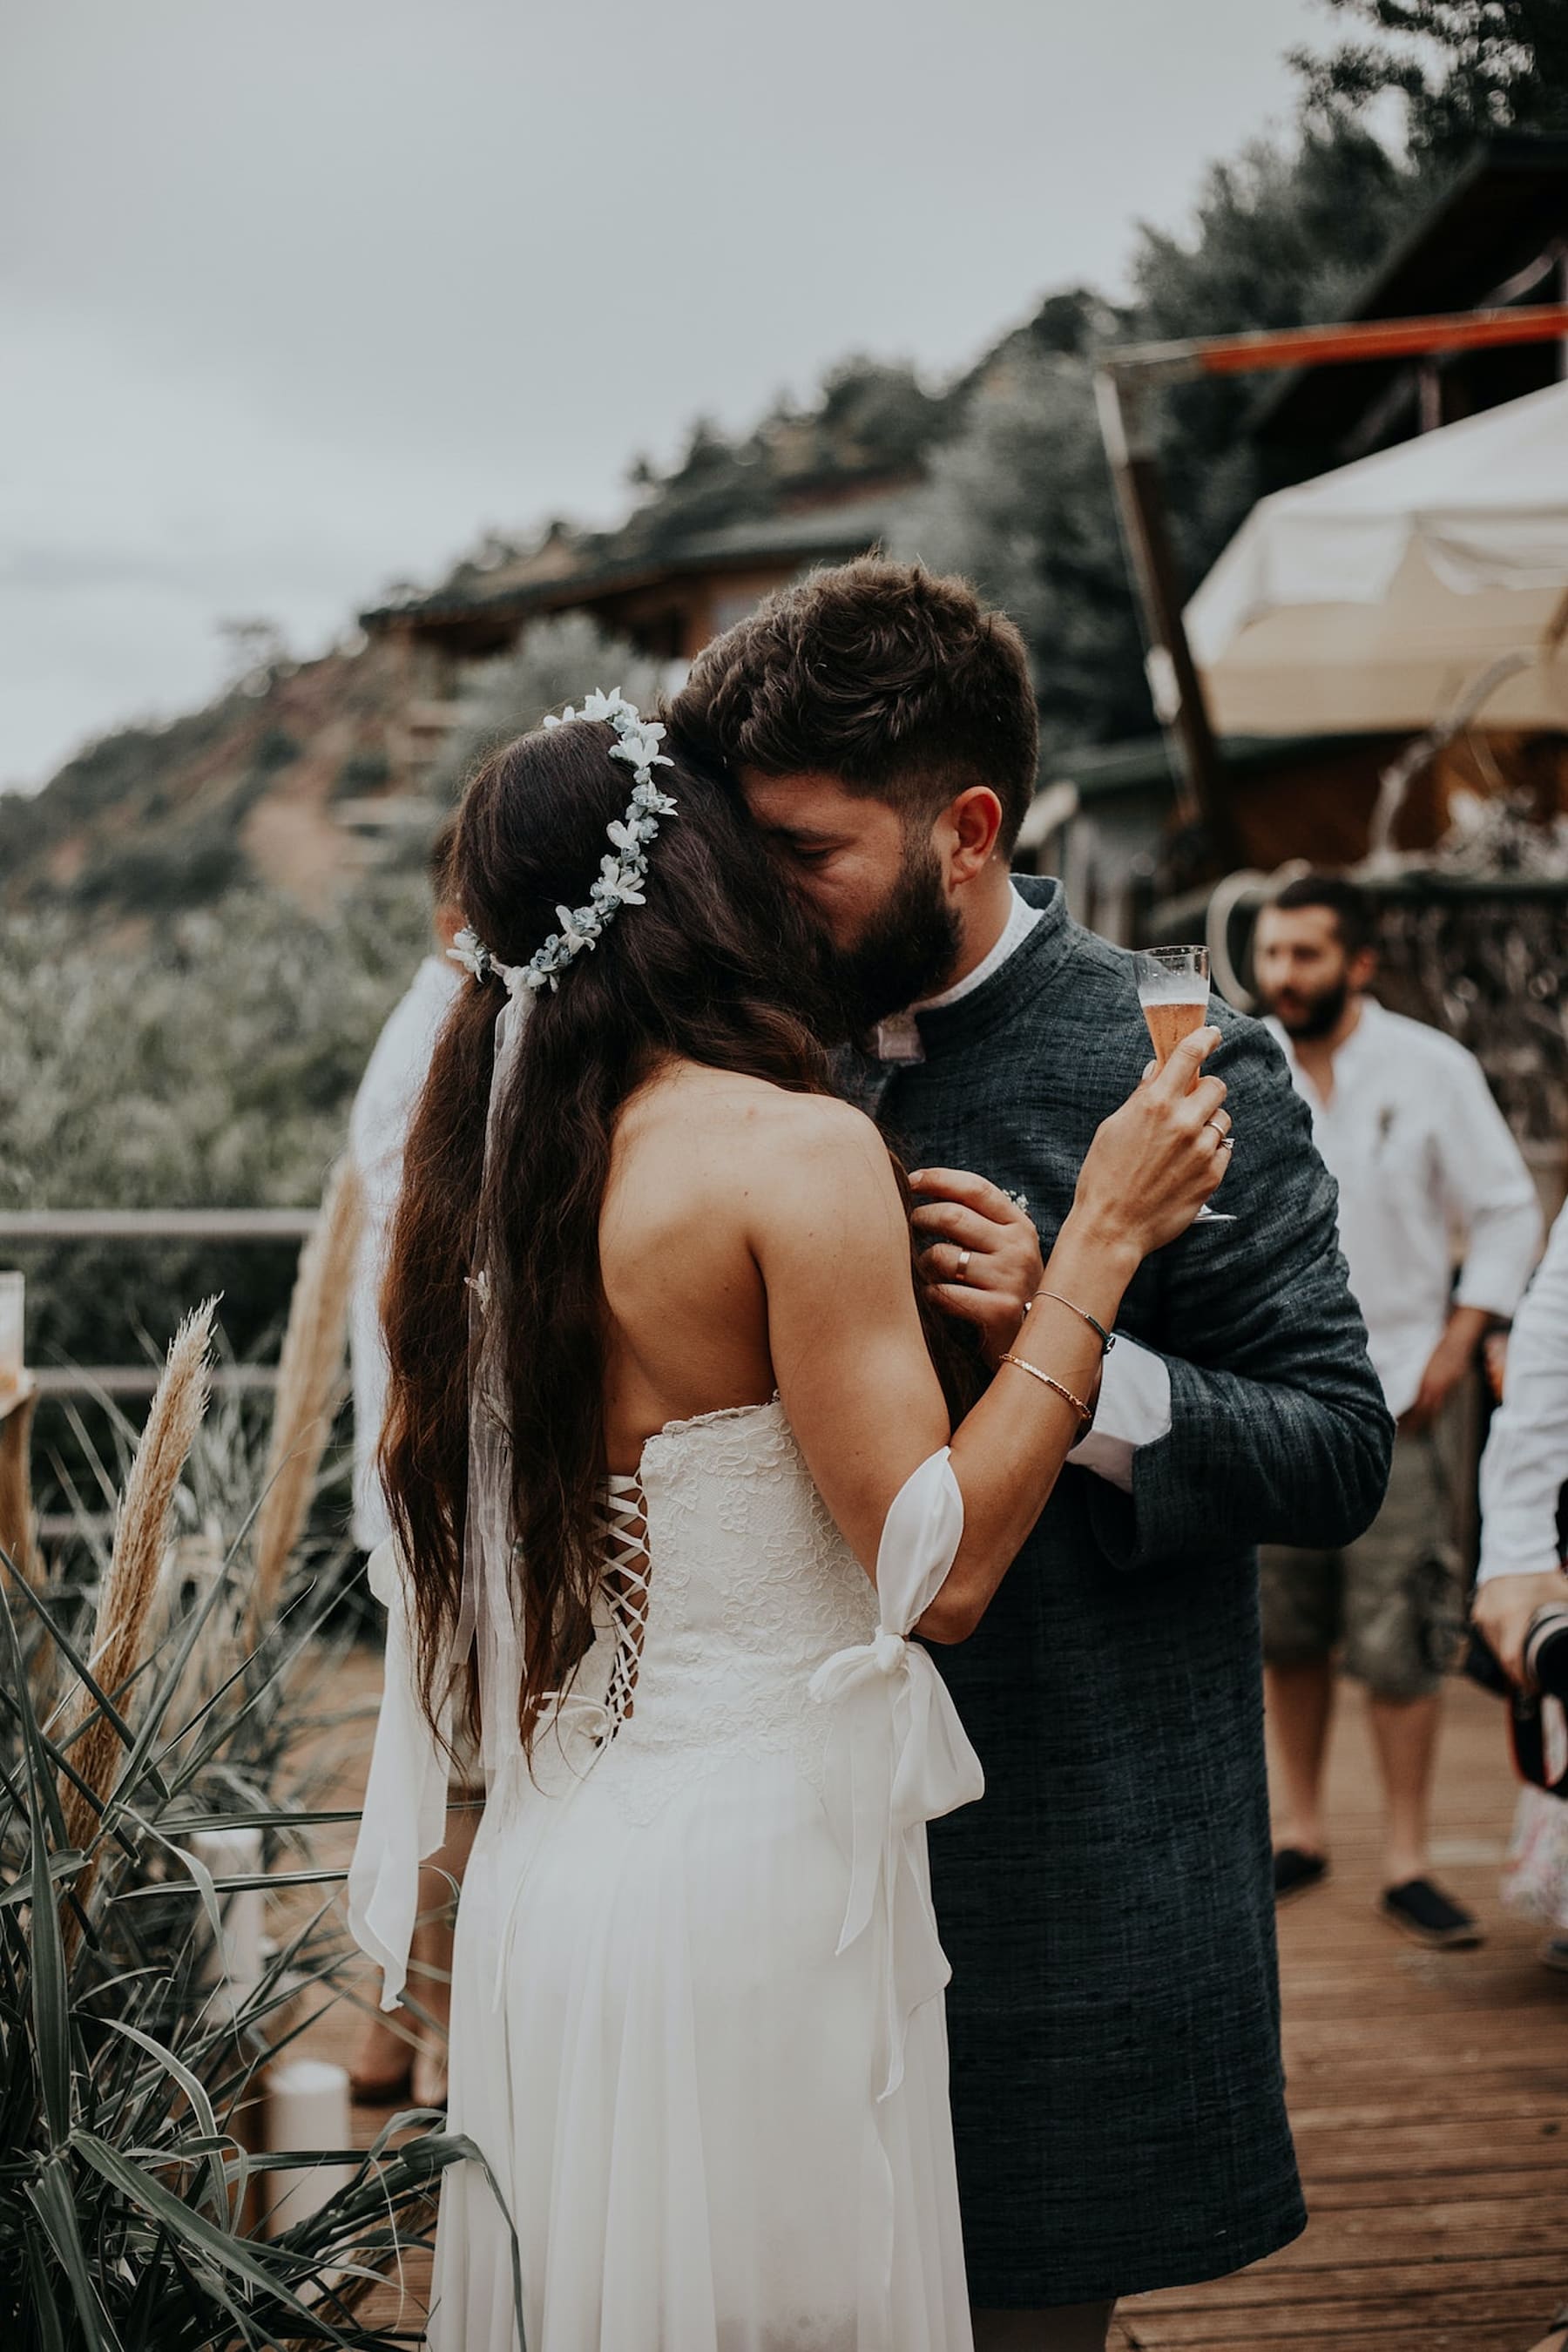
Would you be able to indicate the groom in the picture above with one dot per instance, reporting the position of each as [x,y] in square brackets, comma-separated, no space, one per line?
[1108,1910]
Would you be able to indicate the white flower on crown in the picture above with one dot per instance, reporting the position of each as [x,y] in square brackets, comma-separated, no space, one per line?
[469,950]
[620,877]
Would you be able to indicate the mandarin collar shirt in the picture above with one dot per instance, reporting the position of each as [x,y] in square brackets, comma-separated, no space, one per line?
[1525,1466]
[1430,1180]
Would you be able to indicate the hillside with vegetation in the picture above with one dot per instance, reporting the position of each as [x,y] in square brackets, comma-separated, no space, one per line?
[207,920]
[1012,488]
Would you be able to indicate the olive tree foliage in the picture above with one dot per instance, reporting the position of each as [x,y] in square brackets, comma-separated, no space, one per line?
[1020,503]
[555,661]
[213,1065]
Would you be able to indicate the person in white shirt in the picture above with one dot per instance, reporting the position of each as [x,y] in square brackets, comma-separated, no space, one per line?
[1427,1171]
[1524,1482]
[378,1130]
[1525,1466]
[396,2054]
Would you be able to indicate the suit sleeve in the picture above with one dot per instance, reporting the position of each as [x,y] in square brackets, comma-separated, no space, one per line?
[1279,1431]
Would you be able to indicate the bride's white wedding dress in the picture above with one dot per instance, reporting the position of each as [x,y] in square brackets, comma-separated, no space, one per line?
[695,2024]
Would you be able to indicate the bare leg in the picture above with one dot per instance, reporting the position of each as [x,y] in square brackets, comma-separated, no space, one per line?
[430,1953]
[383,2056]
[1069,2327]
[1406,1734]
[1301,1705]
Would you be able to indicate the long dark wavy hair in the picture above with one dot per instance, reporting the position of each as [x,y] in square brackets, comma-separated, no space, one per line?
[718,967]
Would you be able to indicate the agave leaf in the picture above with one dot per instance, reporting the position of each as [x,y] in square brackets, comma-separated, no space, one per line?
[193,2229]
[201,2105]
[50,2000]
[51,2200]
[267,1818]
[48,1619]
[44,2313]
[60,1866]
[14,1694]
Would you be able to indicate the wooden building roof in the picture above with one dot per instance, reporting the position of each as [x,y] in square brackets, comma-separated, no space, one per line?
[1498,236]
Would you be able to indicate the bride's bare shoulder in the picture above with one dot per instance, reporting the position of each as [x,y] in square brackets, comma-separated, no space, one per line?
[751,1129]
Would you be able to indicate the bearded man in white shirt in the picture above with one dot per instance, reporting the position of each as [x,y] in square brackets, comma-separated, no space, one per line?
[1424,1161]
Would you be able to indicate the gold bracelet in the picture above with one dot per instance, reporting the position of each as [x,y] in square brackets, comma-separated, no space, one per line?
[1106,1339]
[1078,1404]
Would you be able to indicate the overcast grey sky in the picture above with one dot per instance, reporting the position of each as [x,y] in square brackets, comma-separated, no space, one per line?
[298,297]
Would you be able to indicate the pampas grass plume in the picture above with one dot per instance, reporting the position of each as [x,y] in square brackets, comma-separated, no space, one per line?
[125,1602]
[308,1374]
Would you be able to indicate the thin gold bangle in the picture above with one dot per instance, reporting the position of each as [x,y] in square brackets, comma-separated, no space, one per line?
[1078,1404]
[1106,1339]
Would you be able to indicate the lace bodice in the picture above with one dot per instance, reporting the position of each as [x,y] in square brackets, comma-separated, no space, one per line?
[733,1621]
[726,1583]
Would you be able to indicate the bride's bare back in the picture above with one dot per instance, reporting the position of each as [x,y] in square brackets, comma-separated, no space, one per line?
[752,1239]
[699,1156]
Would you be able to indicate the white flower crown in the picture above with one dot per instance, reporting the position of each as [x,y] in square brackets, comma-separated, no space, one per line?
[621,875]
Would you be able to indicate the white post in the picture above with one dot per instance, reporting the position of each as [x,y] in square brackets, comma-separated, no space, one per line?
[306,2106]
[235,1964]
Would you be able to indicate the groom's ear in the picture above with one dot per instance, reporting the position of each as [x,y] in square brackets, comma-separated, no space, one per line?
[968,830]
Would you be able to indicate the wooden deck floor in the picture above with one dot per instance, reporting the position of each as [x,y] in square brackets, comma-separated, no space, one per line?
[1429,2095]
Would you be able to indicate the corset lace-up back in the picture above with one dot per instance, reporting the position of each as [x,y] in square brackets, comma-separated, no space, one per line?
[623,1528]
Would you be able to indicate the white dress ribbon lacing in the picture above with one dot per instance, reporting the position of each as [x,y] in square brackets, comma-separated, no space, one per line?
[899,1757]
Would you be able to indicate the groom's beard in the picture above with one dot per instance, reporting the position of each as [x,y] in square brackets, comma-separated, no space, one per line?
[906,951]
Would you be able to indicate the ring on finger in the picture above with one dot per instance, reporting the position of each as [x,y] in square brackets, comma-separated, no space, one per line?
[961,1273]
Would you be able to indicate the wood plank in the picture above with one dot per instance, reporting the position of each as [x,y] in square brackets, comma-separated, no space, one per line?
[1429,2093]
[1429,2097]
[1524,2306]
[1267,2289]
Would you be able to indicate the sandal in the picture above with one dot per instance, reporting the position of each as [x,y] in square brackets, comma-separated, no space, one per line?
[1420,1910]
[1295,1871]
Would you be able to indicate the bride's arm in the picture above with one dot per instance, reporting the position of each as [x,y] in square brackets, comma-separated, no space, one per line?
[830,1237]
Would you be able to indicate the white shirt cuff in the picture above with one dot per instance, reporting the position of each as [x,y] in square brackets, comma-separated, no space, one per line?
[1134,1410]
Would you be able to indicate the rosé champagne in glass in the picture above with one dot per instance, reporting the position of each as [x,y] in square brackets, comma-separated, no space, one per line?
[1174,990]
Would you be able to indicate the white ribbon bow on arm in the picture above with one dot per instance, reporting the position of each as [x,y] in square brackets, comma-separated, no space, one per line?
[404,1815]
[899,1757]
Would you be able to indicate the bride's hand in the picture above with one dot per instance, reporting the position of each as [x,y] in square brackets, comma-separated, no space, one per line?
[984,1261]
[1153,1163]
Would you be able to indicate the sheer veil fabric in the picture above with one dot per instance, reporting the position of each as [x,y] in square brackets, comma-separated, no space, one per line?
[697,2025]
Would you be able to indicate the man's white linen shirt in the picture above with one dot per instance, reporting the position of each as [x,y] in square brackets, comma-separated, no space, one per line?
[378,1130]
[1134,1405]
[1526,1459]
[1428,1173]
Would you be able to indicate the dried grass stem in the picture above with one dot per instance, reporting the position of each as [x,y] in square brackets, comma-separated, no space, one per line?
[125,1602]
[308,1375]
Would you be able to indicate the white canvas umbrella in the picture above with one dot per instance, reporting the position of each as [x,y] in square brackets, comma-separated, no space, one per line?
[1374,597]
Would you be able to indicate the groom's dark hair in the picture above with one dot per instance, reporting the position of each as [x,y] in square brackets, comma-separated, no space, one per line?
[891,679]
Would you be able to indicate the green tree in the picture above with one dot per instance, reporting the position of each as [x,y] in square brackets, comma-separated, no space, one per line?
[1020,499]
[1281,237]
[555,661]
[1463,67]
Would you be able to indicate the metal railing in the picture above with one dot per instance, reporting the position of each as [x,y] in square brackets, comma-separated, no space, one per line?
[26,1227]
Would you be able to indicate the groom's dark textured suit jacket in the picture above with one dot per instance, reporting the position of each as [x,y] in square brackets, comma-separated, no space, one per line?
[1108,1908]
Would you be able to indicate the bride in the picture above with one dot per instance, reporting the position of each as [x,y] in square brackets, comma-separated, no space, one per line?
[675,1477]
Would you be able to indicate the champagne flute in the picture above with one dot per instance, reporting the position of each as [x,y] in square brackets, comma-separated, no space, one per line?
[1174,990]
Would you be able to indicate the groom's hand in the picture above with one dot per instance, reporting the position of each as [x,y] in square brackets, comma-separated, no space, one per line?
[984,1260]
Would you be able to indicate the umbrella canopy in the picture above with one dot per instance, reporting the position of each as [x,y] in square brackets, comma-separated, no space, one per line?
[1370,599]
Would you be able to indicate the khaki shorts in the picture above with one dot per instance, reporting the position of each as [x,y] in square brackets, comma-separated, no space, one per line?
[1394,1598]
